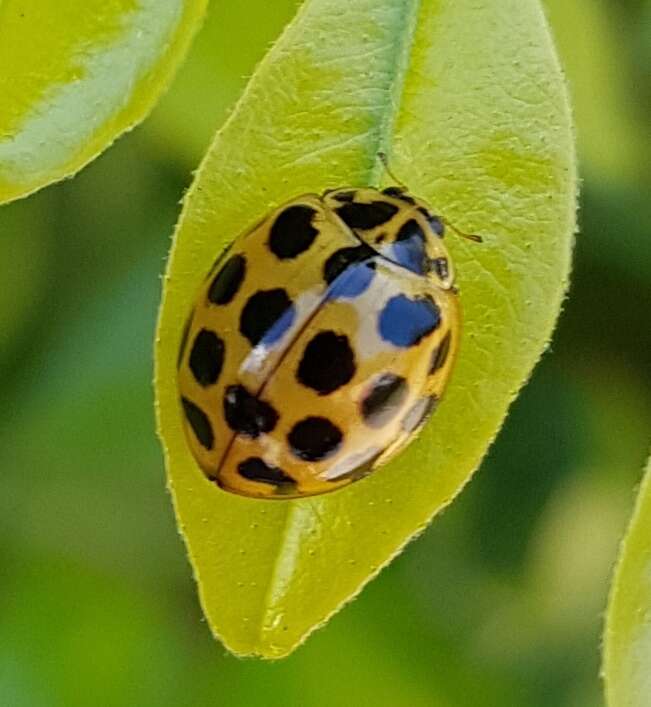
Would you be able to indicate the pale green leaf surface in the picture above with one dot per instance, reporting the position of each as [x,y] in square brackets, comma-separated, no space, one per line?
[627,640]
[76,74]
[469,101]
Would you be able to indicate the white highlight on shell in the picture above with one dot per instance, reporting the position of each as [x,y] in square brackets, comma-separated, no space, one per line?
[348,464]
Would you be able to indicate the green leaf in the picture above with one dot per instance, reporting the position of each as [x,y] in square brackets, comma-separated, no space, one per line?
[627,640]
[74,75]
[469,101]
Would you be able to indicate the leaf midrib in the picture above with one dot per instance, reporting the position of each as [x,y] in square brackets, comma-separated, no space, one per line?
[402,51]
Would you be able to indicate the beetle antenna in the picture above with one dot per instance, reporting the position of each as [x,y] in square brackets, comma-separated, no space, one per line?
[474,237]
[382,156]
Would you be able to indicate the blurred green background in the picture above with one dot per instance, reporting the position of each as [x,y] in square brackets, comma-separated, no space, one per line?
[499,603]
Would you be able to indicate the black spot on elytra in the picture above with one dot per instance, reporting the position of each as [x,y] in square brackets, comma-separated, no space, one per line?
[366,216]
[226,283]
[246,414]
[382,402]
[256,469]
[418,413]
[410,229]
[409,248]
[344,258]
[262,311]
[206,357]
[399,193]
[199,423]
[434,222]
[440,355]
[345,196]
[328,362]
[292,232]
[440,267]
[404,322]
[314,438]
[349,272]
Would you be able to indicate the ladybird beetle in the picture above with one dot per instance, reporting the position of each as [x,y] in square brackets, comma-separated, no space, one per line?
[319,344]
